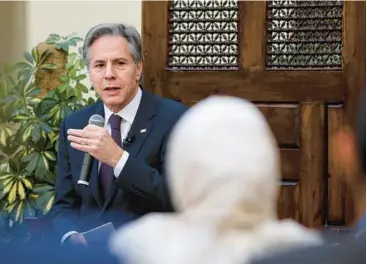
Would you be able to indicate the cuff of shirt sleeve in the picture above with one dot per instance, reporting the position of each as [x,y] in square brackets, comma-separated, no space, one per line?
[121,164]
[66,236]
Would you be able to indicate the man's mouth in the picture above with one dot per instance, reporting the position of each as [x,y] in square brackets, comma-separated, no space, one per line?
[111,88]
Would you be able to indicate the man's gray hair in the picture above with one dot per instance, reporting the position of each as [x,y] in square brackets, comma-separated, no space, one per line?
[131,35]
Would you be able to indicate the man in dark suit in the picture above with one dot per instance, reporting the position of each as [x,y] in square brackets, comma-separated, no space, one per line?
[127,177]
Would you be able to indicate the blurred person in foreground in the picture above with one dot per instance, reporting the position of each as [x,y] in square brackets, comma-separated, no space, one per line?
[349,154]
[223,172]
[127,179]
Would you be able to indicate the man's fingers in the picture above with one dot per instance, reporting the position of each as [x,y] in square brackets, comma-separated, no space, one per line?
[83,141]
[91,127]
[76,132]
[78,140]
[85,148]
[84,133]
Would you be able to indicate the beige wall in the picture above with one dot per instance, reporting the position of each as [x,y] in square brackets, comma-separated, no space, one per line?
[65,17]
[23,24]
[13,31]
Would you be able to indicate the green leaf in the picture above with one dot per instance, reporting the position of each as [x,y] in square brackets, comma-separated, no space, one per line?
[91,101]
[28,57]
[43,188]
[33,163]
[36,133]
[19,212]
[34,92]
[45,127]
[52,38]
[40,144]
[6,110]
[42,167]
[58,46]
[26,134]
[65,47]
[31,156]
[73,73]
[9,99]
[35,54]
[45,54]
[64,78]
[48,66]
[50,155]
[81,87]
[80,77]
[45,196]
[49,177]
[23,66]
[28,209]
[5,132]
[82,64]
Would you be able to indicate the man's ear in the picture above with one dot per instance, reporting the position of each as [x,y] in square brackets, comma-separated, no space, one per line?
[139,71]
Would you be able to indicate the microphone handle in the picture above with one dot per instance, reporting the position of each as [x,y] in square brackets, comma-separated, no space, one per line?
[86,169]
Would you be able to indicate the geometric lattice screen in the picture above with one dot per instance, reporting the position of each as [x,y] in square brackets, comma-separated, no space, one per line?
[203,34]
[304,34]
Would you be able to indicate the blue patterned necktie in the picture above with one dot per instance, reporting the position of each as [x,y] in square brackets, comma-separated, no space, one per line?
[106,173]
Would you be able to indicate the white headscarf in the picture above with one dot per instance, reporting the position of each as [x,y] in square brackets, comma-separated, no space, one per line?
[223,171]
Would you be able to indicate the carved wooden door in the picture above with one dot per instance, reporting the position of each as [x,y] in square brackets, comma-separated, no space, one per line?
[299,61]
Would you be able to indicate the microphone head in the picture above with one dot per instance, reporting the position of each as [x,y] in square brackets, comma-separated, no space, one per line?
[96,120]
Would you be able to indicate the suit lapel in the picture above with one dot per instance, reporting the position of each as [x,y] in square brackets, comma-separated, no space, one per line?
[142,125]
[94,182]
[140,130]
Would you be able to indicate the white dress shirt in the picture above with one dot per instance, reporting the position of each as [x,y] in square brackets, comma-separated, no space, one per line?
[128,114]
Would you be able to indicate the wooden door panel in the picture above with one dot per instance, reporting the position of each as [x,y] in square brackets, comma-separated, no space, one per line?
[312,171]
[300,102]
[288,202]
[290,164]
[336,190]
[340,205]
[284,122]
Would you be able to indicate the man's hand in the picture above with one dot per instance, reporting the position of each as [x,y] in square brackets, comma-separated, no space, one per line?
[77,239]
[97,142]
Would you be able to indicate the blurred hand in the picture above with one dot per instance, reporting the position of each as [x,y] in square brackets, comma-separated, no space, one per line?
[77,239]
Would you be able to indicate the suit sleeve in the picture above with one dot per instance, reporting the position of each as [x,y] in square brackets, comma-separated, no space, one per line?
[66,202]
[146,184]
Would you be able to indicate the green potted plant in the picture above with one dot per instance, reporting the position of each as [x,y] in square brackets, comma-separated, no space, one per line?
[36,95]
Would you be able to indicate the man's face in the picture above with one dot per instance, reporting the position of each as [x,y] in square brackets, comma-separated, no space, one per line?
[113,72]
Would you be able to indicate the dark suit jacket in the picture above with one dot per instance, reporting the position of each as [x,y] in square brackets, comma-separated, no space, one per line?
[140,188]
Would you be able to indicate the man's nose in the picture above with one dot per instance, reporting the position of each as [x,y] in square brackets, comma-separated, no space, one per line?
[110,72]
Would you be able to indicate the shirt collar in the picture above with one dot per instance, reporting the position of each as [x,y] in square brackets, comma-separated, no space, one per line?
[128,113]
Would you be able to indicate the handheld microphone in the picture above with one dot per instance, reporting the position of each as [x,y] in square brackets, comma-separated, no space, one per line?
[88,159]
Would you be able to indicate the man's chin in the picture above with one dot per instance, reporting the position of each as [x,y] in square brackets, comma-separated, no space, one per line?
[113,105]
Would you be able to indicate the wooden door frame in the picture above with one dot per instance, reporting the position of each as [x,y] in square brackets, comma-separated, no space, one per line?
[252,68]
